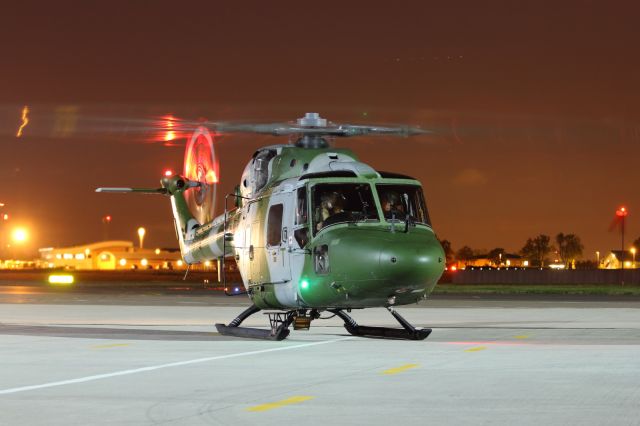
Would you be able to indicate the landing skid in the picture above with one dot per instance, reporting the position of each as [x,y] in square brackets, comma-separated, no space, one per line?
[406,332]
[280,322]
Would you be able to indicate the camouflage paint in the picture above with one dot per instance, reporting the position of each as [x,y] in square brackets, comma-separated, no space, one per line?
[370,265]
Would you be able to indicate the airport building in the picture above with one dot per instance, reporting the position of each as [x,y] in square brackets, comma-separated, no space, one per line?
[615,259]
[110,255]
[507,260]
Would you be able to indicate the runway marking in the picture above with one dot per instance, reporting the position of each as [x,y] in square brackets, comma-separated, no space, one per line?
[400,369]
[278,404]
[113,345]
[161,366]
[476,349]
[521,336]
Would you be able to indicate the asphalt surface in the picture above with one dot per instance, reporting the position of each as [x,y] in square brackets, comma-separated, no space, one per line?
[154,358]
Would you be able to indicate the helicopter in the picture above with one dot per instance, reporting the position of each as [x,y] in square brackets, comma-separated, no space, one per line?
[312,229]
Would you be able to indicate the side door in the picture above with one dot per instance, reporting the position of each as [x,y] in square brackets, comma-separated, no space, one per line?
[278,231]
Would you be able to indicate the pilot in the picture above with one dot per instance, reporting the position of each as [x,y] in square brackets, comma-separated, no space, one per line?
[391,204]
[331,204]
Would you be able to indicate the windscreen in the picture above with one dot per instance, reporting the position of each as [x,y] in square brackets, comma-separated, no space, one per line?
[342,202]
[398,201]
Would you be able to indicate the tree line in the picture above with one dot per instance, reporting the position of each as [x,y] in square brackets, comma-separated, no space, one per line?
[567,248]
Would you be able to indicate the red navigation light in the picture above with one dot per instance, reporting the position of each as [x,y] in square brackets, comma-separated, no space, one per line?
[107,219]
[168,173]
[622,212]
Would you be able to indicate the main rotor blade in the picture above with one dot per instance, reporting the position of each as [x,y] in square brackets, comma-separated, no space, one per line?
[136,190]
[338,130]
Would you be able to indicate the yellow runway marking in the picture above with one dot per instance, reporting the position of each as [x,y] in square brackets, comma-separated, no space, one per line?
[476,349]
[521,336]
[278,404]
[113,345]
[400,369]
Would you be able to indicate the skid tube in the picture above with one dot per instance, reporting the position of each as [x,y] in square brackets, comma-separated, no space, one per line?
[279,326]
[407,331]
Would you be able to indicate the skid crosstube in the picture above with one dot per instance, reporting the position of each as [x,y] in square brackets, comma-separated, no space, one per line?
[279,328]
[406,332]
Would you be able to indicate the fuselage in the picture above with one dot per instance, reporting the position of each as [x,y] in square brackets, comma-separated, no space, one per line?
[316,228]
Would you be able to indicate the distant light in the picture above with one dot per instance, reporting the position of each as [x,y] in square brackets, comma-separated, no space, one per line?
[19,235]
[557,266]
[236,289]
[622,212]
[141,232]
[157,251]
[144,262]
[179,262]
[304,284]
[633,250]
[5,216]
[168,173]
[107,218]
[627,263]
[454,268]
[80,256]
[61,279]
[122,262]
[207,263]
[525,263]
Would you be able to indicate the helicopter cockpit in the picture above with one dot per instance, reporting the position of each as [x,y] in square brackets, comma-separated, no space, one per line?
[400,201]
[354,202]
[342,202]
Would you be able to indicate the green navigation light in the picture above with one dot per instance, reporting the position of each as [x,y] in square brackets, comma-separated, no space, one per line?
[304,284]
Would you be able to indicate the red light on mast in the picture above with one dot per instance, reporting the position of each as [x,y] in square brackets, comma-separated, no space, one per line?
[107,219]
[622,212]
[168,173]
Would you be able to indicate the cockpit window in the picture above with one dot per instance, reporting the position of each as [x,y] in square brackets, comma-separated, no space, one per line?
[342,202]
[398,201]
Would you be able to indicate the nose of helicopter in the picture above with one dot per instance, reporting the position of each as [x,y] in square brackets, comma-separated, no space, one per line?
[409,261]
[371,266]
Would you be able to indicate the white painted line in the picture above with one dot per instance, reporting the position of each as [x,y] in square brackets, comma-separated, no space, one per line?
[161,366]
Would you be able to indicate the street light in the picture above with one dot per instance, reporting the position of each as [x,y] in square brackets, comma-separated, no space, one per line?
[597,260]
[633,253]
[141,232]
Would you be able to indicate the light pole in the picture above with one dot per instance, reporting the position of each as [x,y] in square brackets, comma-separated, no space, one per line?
[141,232]
[597,259]
[622,214]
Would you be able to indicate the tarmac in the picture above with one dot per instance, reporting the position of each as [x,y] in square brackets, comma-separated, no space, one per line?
[154,358]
